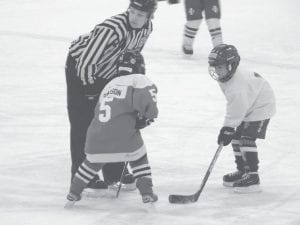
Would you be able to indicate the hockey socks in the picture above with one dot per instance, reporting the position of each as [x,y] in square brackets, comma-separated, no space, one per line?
[189,34]
[215,31]
[85,173]
[237,155]
[249,152]
[142,173]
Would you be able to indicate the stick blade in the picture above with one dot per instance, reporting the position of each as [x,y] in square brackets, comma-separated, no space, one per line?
[182,199]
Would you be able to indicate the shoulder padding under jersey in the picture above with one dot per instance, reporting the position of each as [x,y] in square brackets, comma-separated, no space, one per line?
[134,80]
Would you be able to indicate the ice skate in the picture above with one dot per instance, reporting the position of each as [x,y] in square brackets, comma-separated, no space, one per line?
[71,200]
[187,49]
[248,184]
[148,202]
[149,198]
[230,178]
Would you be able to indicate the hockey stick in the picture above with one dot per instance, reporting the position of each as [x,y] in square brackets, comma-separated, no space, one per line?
[121,179]
[185,199]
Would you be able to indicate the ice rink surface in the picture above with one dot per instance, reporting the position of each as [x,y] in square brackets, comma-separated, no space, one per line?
[34,127]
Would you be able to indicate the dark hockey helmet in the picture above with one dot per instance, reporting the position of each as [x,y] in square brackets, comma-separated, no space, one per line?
[223,54]
[148,6]
[131,62]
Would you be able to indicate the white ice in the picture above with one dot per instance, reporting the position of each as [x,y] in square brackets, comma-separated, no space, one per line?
[34,127]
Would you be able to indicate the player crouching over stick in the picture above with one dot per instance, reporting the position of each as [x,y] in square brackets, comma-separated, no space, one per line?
[127,104]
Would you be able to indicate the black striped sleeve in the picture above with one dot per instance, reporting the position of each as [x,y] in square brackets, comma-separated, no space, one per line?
[100,38]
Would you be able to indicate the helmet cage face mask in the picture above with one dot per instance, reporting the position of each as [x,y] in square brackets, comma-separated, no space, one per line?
[222,77]
[212,72]
[223,55]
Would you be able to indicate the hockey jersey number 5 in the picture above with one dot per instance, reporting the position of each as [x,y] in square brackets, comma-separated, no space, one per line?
[112,134]
[127,94]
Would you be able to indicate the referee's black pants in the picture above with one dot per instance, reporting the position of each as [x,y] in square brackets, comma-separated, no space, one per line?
[81,113]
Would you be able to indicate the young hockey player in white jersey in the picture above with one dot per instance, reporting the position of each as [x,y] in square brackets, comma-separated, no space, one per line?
[126,105]
[250,105]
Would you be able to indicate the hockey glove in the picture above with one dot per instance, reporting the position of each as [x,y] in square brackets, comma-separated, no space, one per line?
[226,135]
[142,122]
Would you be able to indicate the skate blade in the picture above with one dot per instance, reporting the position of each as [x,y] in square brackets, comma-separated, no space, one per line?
[187,56]
[69,204]
[247,190]
[149,207]
[95,193]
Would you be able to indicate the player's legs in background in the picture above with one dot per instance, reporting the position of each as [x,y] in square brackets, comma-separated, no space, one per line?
[212,16]
[193,12]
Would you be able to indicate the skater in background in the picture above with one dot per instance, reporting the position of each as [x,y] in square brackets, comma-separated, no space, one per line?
[250,105]
[126,105]
[194,10]
[91,64]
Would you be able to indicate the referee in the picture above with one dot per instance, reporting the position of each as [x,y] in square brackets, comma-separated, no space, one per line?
[91,63]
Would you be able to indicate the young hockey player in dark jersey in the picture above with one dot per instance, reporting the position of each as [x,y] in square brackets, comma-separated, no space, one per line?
[127,104]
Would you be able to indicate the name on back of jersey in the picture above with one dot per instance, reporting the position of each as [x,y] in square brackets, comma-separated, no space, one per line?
[115,92]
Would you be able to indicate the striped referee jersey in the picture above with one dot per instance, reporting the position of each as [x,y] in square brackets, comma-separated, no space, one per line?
[97,52]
